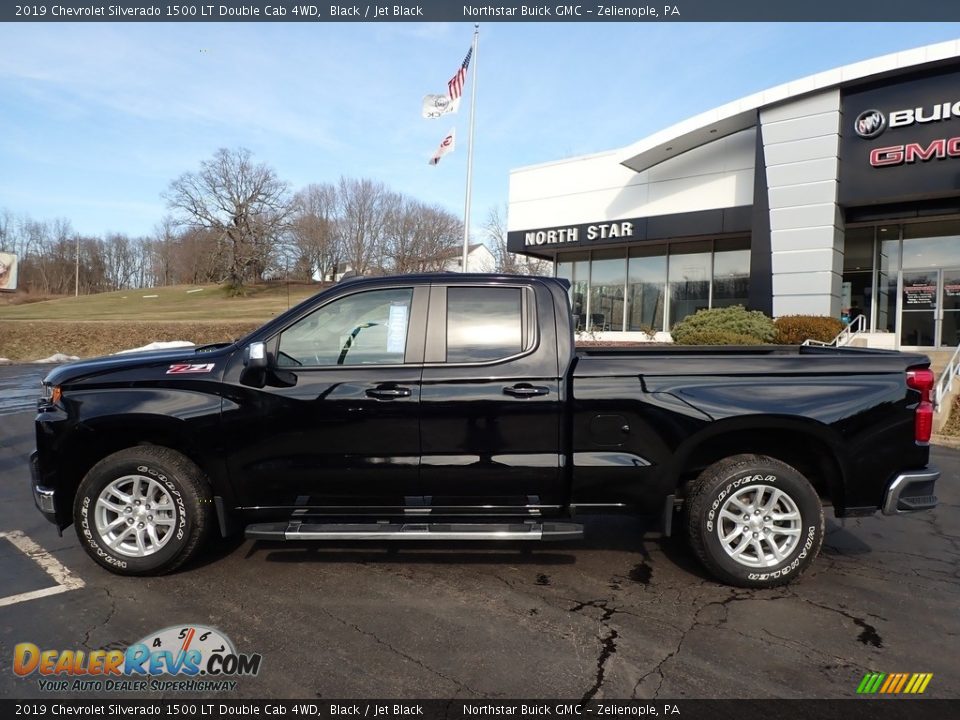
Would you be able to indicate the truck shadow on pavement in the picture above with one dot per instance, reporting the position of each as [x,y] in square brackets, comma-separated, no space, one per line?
[636,536]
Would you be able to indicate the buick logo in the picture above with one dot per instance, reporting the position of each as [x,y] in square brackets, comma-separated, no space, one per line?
[870,123]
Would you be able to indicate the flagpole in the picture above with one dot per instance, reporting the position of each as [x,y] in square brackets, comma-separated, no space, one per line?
[473,110]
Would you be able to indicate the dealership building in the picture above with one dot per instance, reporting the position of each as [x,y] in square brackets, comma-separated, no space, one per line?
[837,194]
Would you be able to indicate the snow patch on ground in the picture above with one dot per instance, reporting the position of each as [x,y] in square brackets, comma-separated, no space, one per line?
[57,358]
[158,346]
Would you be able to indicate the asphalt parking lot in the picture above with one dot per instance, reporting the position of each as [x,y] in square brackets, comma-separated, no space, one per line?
[618,615]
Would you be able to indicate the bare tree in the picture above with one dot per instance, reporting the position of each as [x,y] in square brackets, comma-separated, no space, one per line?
[363,207]
[244,203]
[495,228]
[314,232]
[419,237]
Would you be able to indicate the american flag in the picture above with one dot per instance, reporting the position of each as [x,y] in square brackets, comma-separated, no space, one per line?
[455,86]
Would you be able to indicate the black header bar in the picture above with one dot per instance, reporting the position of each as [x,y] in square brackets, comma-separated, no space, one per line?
[655,11]
[908,708]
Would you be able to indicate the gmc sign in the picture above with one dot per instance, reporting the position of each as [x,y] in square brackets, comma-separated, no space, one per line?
[895,139]
[913,152]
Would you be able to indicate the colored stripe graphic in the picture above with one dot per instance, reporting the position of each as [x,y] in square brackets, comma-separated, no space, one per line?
[903,680]
[890,682]
[894,683]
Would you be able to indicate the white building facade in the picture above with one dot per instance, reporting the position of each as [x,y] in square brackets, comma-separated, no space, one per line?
[837,194]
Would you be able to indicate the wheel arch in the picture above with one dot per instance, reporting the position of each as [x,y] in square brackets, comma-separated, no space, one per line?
[810,447]
[100,437]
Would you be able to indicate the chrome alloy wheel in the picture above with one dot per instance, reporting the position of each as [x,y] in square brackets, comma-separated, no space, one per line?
[135,516]
[759,526]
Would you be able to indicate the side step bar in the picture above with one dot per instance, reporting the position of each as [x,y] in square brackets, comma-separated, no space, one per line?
[414,531]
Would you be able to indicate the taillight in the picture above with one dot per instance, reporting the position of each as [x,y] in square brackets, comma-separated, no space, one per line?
[922,381]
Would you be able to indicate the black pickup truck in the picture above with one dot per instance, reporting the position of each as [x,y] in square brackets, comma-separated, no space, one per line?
[456,407]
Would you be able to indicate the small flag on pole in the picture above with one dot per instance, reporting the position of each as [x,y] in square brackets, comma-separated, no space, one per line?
[455,86]
[446,146]
[435,106]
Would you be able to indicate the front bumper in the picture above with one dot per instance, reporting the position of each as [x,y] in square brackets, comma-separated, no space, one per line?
[43,497]
[911,491]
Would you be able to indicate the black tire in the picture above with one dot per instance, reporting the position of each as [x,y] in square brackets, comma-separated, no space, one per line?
[712,491]
[188,491]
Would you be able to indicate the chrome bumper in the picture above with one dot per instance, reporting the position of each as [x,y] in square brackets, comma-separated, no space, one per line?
[42,497]
[911,491]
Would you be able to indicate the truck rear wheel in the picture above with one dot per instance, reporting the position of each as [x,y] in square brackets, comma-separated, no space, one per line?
[142,511]
[754,521]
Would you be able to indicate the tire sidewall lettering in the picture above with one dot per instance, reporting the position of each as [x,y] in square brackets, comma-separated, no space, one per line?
[794,564]
[91,536]
[731,486]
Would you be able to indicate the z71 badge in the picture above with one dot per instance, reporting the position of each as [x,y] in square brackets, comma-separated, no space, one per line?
[181,368]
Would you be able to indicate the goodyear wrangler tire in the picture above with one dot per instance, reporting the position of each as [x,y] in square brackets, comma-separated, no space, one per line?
[142,511]
[754,521]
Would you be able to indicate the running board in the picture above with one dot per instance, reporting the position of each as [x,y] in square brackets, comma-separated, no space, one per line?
[414,531]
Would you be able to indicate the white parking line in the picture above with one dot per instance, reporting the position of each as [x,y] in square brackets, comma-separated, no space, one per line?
[65,580]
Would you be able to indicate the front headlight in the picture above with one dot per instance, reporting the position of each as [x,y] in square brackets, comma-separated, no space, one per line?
[49,396]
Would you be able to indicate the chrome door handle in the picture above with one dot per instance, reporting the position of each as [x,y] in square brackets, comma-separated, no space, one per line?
[388,393]
[524,390]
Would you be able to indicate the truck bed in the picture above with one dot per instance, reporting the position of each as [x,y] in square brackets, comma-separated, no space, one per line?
[727,360]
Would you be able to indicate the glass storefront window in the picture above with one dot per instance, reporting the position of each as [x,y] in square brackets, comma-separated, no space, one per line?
[731,272]
[652,281]
[689,279]
[888,265]
[607,280]
[646,284]
[575,267]
[931,244]
[857,296]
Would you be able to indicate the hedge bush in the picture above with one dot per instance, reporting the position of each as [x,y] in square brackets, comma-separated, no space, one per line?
[735,320]
[718,337]
[794,329]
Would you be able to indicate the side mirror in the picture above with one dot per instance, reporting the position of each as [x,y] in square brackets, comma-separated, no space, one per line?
[255,356]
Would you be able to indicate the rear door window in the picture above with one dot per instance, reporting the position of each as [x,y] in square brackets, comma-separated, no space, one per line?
[485,323]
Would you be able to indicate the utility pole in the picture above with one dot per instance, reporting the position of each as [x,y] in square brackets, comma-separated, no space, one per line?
[76,275]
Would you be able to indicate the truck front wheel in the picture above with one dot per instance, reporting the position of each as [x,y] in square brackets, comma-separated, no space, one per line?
[754,521]
[142,511]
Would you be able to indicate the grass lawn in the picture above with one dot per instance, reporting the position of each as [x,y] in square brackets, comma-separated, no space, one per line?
[92,325]
[178,302]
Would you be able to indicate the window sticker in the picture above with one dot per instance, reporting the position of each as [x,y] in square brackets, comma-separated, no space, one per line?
[397,329]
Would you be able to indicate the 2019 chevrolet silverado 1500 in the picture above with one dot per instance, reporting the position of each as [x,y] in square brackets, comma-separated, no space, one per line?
[452,407]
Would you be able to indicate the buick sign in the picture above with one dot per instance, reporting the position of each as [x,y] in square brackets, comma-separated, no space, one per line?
[869,124]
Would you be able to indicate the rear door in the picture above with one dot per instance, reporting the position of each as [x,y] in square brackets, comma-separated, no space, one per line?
[491,400]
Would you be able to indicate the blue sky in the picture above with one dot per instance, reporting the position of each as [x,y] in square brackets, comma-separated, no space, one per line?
[97,119]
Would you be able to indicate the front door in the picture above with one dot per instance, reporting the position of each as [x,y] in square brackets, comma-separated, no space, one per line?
[930,308]
[339,428]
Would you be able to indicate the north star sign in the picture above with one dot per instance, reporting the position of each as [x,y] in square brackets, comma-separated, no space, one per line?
[600,231]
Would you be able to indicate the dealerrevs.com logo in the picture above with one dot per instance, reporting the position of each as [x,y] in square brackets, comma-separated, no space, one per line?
[870,123]
[190,658]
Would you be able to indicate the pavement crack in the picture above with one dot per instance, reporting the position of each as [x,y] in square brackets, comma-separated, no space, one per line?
[608,648]
[868,633]
[106,621]
[406,656]
[608,643]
